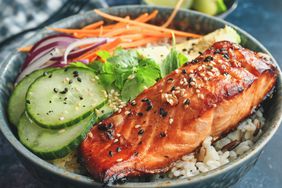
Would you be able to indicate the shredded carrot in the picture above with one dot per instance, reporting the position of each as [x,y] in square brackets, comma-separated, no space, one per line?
[173,14]
[25,48]
[131,37]
[150,17]
[93,25]
[144,25]
[138,43]
[117,25]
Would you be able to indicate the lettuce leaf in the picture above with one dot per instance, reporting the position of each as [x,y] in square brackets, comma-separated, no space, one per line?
[172,61]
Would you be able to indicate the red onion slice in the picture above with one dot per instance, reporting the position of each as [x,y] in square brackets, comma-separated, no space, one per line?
[39,63]
[60,39]
[98,41]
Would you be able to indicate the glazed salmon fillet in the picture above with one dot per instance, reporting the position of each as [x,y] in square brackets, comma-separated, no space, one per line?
[207,97]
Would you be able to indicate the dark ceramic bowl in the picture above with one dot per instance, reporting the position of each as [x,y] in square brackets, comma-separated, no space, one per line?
[185,20]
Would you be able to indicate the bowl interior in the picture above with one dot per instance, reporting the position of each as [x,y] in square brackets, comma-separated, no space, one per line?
[185,20]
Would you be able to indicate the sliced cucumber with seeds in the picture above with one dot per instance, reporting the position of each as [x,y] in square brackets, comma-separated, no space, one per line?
[16,105]
[65,98]
[52,144]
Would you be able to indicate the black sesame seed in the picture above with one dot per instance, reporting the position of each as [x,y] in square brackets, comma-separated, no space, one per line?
[102,127]
[163,113]
[28,101]
[118,149]
[64,91]
[194,61]
[110,126]
[185,64]
[186,102]
[70,82]
[149,107]
[80,97]
[162,134]
[65,98]
[50,101]
[225,55]
[200,53]
[50,76]
[183,71]
[225,73]
[172,88]
[83,106]
[133,103]
[78,79]
[208,59]
[135,153]
[66,69]
[141,131]
[140,114]
[217,51]
[65,102]
[75,72]
[184,50]
[111,153]
[55,90]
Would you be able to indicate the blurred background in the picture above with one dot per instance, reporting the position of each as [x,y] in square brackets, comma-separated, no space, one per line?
[260,18]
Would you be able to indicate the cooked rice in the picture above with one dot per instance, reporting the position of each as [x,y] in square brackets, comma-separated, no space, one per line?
[211,155]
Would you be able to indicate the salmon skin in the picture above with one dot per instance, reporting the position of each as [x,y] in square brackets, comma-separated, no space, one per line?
[208,96]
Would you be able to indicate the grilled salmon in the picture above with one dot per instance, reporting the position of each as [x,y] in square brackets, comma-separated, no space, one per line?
[208,96]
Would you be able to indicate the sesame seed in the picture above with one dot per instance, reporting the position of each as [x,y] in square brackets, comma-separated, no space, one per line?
[111,153]
[141,131]
[170,121]
[176,71]
[61,118]
[198,91]
[116,140]
[118,149]
[118,135]
[137,126]
[90,135]
[127,112]
[162,134]
[119,160]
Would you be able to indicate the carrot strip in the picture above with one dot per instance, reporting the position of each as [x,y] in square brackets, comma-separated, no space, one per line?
[93,25]
[144,25]
[173,14]
[117,25]
[150,17]
[25,48]
[131,37]
[141,42]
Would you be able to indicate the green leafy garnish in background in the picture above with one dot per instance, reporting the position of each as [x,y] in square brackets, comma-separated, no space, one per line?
[125,71]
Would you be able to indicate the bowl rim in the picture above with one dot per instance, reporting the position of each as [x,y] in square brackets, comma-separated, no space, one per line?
[21,149]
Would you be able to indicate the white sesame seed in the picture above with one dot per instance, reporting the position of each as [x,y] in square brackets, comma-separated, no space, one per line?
[197,91]
[119,160]
[170,121]
[116,140]
[61,118]
[176,71]
[137,126]
[210,73]
[118,135]
[90,135]
[127,112]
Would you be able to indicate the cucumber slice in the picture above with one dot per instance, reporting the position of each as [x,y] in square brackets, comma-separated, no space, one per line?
[52,144]
[65,98]
[104,112]
[16,104]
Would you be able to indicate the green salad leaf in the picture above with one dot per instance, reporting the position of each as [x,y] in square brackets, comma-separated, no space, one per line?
[172,61]
[126,71]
